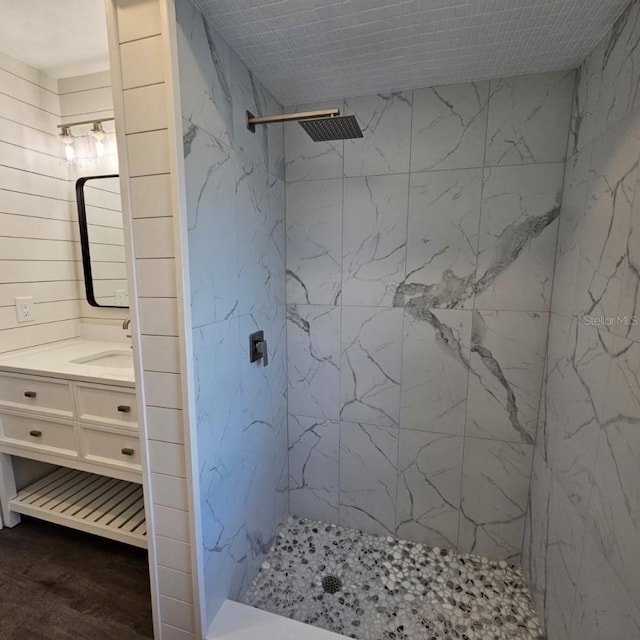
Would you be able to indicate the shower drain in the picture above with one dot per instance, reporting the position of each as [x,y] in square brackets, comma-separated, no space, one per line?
[331,584]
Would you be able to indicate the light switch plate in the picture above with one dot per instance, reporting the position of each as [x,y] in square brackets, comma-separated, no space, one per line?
[24,309]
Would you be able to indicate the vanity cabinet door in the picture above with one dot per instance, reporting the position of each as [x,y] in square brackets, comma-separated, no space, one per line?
[36,395]
[55,438]
[111,448]
[108,406]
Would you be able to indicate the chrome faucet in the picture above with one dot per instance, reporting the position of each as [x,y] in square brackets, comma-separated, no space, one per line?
[126,323]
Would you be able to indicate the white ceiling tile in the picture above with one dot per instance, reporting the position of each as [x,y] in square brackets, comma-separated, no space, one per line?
[309,50]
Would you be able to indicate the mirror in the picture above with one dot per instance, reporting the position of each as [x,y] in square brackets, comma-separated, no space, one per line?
[102,240]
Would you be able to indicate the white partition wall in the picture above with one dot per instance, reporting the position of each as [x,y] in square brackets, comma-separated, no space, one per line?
[141,55]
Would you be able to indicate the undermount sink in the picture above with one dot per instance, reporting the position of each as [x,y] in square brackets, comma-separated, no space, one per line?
[114,359]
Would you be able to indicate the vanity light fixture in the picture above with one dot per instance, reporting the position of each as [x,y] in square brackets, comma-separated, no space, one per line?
[97,137]
[68,140]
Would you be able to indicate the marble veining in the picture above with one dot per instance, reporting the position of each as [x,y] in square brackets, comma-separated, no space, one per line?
[495,485]
[443,221]
[211,174]
[429,488]
[557,532]
[370,365]
[235,197]
[582,524]
[585,100]
[374,239]
[518,232]
[449,126]
[422,255]
[314,242]
[313,339]
[314,466]
[628,306]
[368,465]
[529,118]
[506,367]
[612,181]
[601,611]
[578,359]
[385,120]
[206,93]
[620,83]
[574,198]
[435,369]
[615,497]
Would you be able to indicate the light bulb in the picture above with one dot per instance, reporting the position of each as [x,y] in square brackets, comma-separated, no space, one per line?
[99,149]
[69,150]
[97,138]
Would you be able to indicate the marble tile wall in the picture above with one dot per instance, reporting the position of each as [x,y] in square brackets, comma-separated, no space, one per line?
[235,202]
[583,524]
[419,270]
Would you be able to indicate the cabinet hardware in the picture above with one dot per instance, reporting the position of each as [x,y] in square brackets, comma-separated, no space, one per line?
[30,394]
[127,451]
[35,433]
[124,408]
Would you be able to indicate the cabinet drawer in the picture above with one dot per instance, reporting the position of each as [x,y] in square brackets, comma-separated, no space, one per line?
[45,396]
[31,433]
[107,406]
[114,449]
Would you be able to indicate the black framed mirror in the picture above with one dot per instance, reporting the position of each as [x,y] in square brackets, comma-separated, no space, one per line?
[102,240]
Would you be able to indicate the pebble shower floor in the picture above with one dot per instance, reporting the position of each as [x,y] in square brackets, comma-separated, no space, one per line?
[377,588]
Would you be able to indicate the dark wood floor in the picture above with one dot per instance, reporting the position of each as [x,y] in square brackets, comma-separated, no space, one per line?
[60,584]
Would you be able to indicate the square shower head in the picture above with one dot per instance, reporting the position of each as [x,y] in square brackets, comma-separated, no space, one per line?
[332,128]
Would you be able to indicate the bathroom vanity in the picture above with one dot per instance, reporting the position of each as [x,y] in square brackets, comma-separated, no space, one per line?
[73,405]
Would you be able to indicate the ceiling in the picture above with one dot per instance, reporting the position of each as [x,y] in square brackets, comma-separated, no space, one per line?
[60,37]
[310,50]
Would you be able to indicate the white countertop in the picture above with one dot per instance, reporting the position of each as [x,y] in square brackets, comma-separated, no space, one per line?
[56,360]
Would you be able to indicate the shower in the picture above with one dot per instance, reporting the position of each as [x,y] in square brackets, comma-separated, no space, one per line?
[322,125]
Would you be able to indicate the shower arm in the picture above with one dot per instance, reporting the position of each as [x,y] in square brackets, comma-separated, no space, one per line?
[252,120]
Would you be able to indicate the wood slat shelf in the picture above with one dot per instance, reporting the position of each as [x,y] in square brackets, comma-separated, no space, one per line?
[89,502]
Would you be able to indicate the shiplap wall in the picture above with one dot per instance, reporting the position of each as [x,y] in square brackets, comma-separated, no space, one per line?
[160,304]
[86,97]
[37,250]
[39,243]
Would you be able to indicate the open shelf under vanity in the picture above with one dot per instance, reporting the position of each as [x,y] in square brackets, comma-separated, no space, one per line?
[73,437]
[89,502]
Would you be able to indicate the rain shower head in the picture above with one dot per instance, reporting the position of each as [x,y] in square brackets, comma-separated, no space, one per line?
[321,126]
[332,128]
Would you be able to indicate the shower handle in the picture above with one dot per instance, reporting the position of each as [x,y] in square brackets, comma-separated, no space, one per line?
[263,352]
[258,348]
